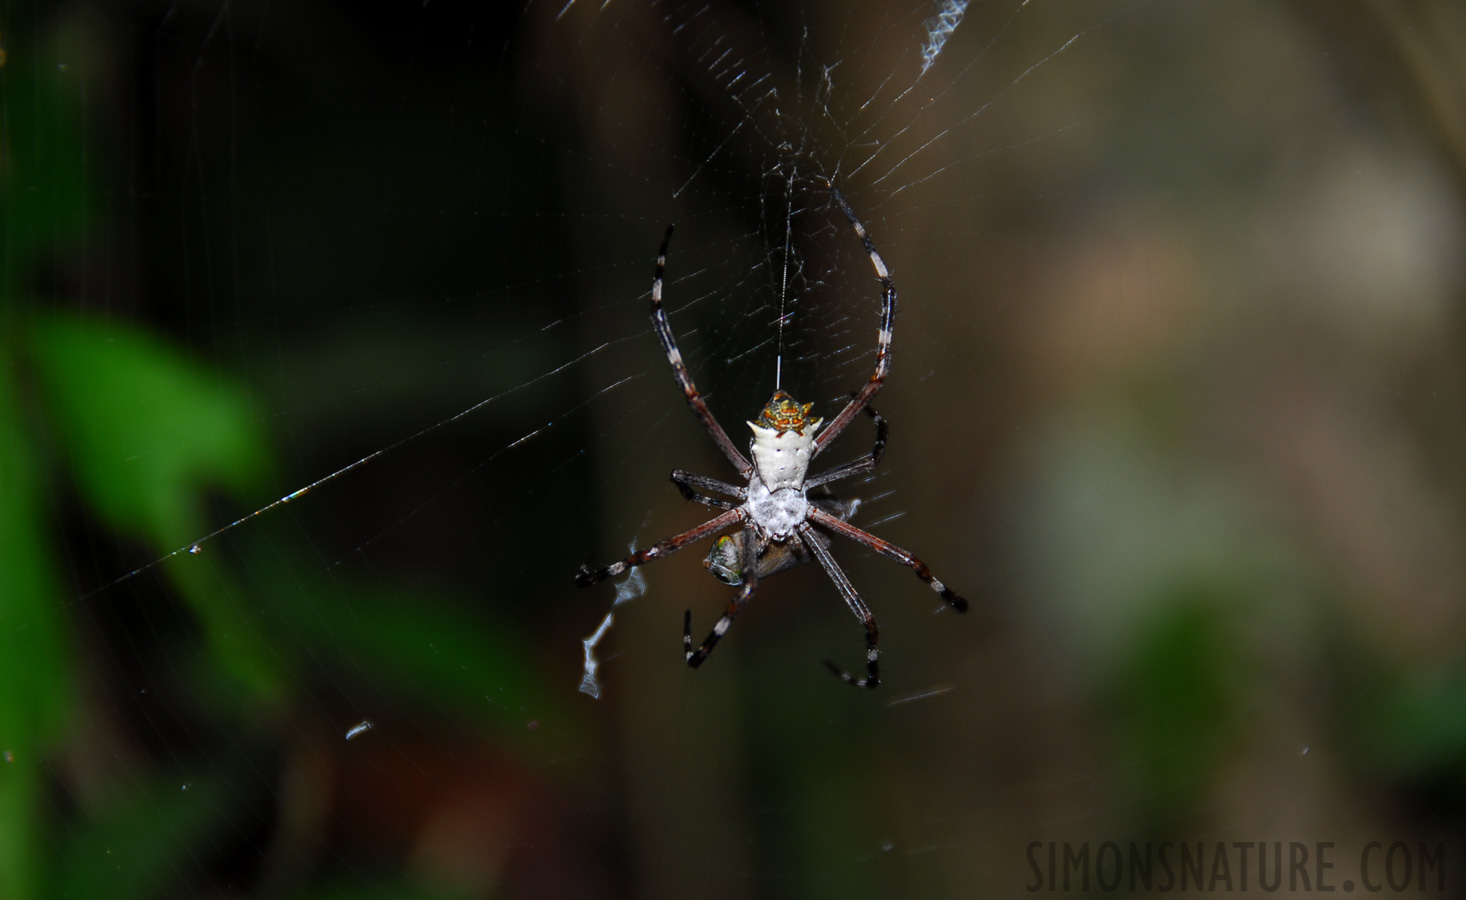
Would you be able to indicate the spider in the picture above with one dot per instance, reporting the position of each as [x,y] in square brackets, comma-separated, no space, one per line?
[781,524]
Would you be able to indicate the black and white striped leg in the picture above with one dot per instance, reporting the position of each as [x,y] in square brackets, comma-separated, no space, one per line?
[687,482]
[588,576]
[864,464]
[745,594]
[663,329]
[862,612]
[883,337]
[888,550]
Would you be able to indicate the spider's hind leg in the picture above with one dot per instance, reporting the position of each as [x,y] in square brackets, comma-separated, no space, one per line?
[745,594]
[890,551]
[586,576]
[862,612]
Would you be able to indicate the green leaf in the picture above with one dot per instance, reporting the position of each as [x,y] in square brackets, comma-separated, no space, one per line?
[43,205]
[147,434]
[35,702]
[145,430]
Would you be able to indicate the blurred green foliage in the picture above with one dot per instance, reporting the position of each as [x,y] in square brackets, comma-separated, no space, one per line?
[37,701]
[142,842]
[140,435]
[144,434]
[42,204]
[1410,726]
[1175,699]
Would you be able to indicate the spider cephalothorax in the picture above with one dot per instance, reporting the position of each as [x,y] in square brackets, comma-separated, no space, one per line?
[782,526]
[784,413]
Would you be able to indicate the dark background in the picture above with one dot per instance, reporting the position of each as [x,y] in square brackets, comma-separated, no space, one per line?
[1177,404]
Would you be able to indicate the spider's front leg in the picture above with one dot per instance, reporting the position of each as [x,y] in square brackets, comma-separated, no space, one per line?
[864,464]
[699,407]
[745,594]
[862,397]
[588,576]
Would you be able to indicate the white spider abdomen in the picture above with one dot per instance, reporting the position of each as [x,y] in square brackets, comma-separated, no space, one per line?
[776,513]
[782,457]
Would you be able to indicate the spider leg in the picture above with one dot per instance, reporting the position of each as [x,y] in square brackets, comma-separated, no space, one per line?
[679,368]
[862,612]
[687,481]
[883,337]
[745,594]
[888,550]
[587,576]
[864,464]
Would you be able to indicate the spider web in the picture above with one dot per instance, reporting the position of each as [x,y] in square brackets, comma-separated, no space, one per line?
[1175,402]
